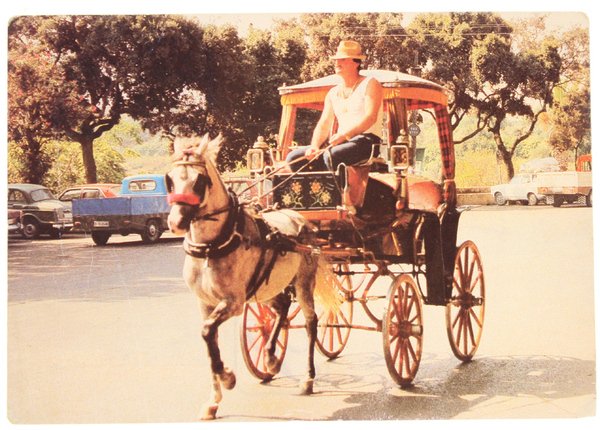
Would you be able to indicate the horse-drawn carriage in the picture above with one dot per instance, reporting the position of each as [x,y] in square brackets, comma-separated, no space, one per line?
[377,221]
[384,233]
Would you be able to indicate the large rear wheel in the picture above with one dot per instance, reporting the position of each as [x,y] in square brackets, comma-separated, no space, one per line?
[466,308]
[403,330]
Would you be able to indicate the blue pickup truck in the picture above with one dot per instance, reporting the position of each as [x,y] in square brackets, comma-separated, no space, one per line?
[141,208]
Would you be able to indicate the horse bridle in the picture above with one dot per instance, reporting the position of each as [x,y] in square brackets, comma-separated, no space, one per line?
[195,198]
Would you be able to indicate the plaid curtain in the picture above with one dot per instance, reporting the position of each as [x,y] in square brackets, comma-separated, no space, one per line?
[446,146]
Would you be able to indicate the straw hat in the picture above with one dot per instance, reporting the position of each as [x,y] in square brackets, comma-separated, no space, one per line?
[349,49]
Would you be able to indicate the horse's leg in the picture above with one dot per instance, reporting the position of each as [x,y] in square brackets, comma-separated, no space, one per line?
[220,374]
[305,284]
[281,305]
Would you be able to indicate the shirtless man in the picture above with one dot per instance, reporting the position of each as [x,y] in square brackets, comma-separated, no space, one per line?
[357,104]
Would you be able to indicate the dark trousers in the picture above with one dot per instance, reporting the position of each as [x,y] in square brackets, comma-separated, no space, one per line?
[356,150]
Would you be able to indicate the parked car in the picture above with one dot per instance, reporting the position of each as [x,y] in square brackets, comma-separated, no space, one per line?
[521,188]
[89,191]
[41,211]
[141,208]
[14,220]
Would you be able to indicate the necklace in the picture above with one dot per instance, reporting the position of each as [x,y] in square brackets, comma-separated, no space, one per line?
[347,92]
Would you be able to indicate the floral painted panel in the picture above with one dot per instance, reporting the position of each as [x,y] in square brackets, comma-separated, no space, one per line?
[306,191]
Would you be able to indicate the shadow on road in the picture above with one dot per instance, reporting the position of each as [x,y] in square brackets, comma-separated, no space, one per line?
[538,378]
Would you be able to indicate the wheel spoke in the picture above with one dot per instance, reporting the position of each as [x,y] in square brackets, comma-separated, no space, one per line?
[471,331]
[254,342]
[465,334]
[412,351]
[469,278]
[397,348]
[475,317]
[460,324]
[456,319]
[257,315]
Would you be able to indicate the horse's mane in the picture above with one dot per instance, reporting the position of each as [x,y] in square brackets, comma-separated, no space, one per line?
[201,147]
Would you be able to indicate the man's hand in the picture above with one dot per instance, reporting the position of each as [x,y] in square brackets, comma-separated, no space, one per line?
[311,152]
[337,138]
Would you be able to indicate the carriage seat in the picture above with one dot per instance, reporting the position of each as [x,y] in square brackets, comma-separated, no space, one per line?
[422,194]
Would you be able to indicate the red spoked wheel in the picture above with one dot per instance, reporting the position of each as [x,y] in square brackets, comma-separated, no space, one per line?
[403,330]
[466,309]
[258,321]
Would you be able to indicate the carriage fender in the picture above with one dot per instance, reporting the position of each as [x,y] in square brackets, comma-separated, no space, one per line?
[440,233]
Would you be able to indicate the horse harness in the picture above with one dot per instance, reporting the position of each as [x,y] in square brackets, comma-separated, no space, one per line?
[232,237]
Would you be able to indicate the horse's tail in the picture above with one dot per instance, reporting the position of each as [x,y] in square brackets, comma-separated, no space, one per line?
[326,291]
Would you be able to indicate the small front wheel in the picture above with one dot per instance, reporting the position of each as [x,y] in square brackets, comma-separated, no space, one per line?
[258,322]
[152,232]
[403,330]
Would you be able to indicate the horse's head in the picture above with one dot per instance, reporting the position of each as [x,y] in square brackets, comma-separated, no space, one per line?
[190,180]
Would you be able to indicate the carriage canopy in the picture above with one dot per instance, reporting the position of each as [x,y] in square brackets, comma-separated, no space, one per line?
[401,92]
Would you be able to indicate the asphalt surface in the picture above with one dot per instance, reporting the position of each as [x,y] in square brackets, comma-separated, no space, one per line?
[112,335]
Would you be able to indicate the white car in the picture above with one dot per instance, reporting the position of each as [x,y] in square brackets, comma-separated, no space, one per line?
[522,188]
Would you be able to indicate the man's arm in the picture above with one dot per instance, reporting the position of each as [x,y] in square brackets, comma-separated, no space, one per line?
[323,127]
[373,101]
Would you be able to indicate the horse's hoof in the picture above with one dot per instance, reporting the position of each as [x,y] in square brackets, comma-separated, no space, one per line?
[273,365]
[306,388]
[209,411]
[227,379]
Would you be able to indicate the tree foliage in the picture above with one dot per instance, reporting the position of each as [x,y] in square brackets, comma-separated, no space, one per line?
[445,43]
[381,35]
[143,66]
[74,78]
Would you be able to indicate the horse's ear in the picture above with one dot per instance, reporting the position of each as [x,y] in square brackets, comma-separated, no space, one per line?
[213,147]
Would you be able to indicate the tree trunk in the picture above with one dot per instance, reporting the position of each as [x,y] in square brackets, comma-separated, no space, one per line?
[89,164]
[505,154]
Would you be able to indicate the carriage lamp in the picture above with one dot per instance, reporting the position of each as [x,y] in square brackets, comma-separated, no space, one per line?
[399,154]
[258,155]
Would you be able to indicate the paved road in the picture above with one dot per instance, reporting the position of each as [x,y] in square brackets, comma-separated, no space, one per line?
[111,334]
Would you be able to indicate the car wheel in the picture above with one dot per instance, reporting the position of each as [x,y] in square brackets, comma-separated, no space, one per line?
[31,229]
[558,201]
[100,238]
[499,199]
[152,232]
[588,199]
[532,200]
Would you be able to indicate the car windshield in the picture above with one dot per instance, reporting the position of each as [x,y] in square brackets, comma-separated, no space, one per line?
[41,194]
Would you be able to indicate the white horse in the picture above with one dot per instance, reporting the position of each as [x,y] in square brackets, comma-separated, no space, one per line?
[229,261]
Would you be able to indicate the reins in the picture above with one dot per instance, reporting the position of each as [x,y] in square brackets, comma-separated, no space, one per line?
[270,174]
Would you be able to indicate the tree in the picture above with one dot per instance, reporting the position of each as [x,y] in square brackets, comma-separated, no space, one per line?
[145,66]
[513,84]
[444,44]
[38,94]
[381,36]
[571,112]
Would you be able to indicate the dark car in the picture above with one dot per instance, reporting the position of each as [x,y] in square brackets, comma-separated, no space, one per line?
[41,211]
